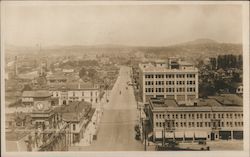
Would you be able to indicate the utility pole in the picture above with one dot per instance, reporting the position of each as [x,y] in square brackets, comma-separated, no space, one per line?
[145,136]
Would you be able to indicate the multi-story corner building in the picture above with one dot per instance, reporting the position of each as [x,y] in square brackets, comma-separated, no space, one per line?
[206,119]
[173,79]
[77,115]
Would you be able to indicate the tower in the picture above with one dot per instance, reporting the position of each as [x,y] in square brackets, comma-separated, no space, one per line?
[15,67]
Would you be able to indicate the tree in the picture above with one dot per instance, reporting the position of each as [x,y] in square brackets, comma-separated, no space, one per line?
[27,87]
[82,72]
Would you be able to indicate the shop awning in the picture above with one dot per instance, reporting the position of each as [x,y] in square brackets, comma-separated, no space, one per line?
[189,134]
[169,135]
[200,134]
[158,134]
[179,134]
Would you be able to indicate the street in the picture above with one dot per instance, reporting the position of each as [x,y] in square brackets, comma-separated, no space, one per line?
[116,130]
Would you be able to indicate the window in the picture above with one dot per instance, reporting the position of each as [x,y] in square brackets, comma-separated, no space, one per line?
[176,116]
[160,124]
[235,115]
[192,124]
[156,116]
[181,116]
[197,124]
[200,124]
[157,124]
[201,115]
[189,124]
[96,100]
[160,116]
[205,124]
[82,93]
[214,115]
[205,116]
[74,127]
[176,124]
[197,115]
[222,124]
[168,116]
[73,93]
[91,93]
[222,115]
[184,116]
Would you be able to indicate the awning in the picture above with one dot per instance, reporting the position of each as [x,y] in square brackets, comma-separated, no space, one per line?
[169,135]
[200,134]
[158,134]
[189,134]
[179,134]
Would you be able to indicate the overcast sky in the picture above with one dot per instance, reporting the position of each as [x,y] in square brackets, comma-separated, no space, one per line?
[149,25]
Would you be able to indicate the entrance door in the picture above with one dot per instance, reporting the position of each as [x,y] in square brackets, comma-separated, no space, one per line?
[212,136]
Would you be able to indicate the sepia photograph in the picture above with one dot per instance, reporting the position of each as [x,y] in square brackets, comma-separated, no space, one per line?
[124,76]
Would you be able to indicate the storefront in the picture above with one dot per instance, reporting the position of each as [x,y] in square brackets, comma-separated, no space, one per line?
[200,135]
[225,135]
[189,136]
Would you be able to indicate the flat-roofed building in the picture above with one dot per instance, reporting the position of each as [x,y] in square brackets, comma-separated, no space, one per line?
[76,91]
[206,119]
[173,79]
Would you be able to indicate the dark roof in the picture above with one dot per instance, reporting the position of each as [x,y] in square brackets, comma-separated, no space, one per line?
[216,103]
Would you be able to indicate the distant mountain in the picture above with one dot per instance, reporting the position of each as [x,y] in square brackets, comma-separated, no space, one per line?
[200,48]
[200,41]
[196,48]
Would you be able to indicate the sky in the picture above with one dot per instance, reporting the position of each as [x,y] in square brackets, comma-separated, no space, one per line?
[137,25]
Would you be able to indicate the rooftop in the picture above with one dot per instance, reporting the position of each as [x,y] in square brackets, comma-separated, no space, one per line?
[168,66]
[36,94]
[80,85]
[210,104]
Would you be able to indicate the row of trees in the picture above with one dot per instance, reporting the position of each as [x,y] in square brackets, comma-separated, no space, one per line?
[227,61]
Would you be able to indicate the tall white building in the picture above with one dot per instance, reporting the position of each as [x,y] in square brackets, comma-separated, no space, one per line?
[173,79]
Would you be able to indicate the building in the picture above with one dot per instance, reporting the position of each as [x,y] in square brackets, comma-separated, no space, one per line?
[78,91]
[29,97]
[174,79]
[77,115]
[41,130]
[205,119]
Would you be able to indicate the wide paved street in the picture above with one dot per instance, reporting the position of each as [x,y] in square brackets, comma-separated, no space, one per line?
[116,132]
